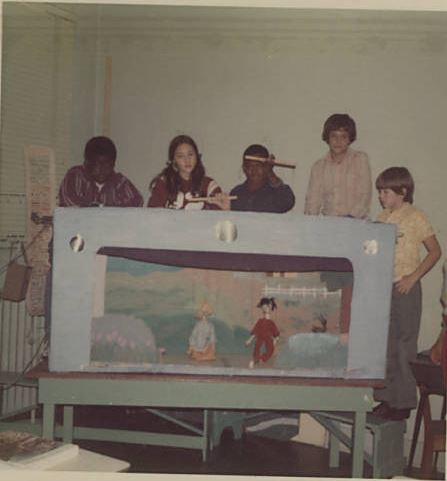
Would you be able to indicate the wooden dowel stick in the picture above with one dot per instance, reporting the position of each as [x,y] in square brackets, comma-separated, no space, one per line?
[107,109]
[207,199]
[279,163]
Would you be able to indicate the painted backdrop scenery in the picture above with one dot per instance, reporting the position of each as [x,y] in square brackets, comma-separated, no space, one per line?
[151,311]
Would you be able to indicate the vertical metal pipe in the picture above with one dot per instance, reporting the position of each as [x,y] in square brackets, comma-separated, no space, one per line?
[8,352]
[15,355]
[32,345]
[2,326]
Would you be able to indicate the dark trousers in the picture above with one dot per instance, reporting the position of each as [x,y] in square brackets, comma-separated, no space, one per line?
[405,319]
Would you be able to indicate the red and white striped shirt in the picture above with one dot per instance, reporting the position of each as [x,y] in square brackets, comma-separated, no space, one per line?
[79,189]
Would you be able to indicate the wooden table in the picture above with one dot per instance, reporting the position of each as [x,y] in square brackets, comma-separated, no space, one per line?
[210,393]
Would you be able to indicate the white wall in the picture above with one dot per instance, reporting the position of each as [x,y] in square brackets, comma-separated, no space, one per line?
[273,76]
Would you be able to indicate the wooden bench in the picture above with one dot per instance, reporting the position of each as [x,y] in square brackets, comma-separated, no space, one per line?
[387,458]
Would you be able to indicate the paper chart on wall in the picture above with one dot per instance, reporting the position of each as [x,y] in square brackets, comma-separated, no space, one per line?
[40,182]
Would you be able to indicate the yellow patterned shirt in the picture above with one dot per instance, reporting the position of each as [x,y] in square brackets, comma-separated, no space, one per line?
[413,227]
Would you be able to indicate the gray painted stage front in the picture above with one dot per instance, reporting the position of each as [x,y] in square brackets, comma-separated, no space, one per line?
[368,246]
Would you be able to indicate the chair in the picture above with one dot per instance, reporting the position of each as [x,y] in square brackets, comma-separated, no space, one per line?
[429,380]
[434,436]
[387,458]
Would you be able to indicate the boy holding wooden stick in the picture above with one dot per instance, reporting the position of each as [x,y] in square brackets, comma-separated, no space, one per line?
[263,190]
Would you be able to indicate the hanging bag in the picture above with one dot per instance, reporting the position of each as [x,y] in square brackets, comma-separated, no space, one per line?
[17,279]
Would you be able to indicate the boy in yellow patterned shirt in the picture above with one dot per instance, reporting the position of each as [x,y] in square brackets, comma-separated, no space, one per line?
[395,186]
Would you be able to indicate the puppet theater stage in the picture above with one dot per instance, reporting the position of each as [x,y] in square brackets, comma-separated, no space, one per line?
[101,356]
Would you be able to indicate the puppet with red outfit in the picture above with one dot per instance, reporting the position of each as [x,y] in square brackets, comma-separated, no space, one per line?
[265,331]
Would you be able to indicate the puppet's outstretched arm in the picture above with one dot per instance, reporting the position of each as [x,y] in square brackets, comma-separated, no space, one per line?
[249,340]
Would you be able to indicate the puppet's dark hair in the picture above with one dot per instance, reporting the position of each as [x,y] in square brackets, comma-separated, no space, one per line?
[171,175]
[270,301]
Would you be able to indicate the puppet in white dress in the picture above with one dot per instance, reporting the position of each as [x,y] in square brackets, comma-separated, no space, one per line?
[202,342]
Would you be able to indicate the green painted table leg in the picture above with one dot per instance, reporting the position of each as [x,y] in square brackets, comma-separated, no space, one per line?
[48,421]
[68,424]
[358,433]
[334,451]
[206,434]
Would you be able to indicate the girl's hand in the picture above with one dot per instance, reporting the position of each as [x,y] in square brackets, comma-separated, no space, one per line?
[405,285]
[222,200]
